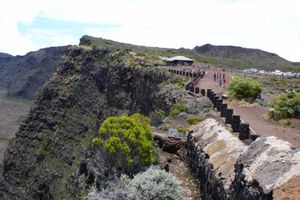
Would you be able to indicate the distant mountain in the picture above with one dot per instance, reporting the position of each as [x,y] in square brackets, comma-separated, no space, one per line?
[23,76]
[5,57]
[235,51]
[239,56]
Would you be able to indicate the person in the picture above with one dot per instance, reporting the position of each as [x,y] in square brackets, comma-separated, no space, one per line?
[215,76]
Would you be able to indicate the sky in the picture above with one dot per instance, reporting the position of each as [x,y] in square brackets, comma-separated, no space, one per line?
[270,25]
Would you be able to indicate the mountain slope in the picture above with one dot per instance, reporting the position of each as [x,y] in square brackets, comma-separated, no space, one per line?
[45,159]
[238,52]
[240,57]
[25,75]
[224,56]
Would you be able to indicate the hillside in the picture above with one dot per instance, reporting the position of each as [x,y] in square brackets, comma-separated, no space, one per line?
[23,76]
[90,84]
[224,56]
[245,57]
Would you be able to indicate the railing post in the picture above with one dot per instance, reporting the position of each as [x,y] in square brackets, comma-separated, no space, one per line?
[215,101]
[203,92]
[244,132]
[223,110]
[219,104]
[236,121]
[208,92]
[228,118]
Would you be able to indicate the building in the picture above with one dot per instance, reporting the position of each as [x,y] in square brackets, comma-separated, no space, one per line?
[177,60]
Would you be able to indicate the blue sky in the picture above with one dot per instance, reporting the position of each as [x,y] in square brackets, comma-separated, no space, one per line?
[271,25]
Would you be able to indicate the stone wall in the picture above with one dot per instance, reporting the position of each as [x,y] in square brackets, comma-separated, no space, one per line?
[229,169]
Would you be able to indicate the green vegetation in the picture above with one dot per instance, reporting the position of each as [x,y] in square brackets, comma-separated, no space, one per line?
[183,81]
[278,84]
[128,142]
[157,117]
[154,183]
[182,130]
[178,108]
[285,105]
[244,88]
[194,119]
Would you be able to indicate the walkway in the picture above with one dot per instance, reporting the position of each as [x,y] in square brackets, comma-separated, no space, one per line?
[253,115]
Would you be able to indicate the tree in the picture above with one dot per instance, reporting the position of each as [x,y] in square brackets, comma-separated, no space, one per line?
[127,142]
[244,88]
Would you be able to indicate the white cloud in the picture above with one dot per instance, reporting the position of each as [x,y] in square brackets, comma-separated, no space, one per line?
[265,24]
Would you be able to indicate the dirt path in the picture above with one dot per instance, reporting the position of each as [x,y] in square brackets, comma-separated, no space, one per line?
[253,115]
[11,112]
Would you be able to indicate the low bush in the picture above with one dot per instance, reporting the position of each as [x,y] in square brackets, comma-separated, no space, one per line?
[157,117]
[178,108]
[181,130]
[244,88]
[285,105]
[154,183]
[127,142]
[195,119]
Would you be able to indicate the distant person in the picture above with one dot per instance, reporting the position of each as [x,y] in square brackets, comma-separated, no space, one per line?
[215,77]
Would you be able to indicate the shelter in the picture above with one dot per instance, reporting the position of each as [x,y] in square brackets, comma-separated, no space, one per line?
[177,60]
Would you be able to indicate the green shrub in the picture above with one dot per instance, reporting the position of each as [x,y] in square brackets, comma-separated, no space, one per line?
[154,183]
[157,117]
[127,141]
[178,108]
[181,130]
[244,88]
[285,105]
[195,119]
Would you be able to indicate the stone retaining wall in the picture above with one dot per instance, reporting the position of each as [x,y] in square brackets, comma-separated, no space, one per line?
[229,169]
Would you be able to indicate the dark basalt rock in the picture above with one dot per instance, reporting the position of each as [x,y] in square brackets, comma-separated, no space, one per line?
[45,160]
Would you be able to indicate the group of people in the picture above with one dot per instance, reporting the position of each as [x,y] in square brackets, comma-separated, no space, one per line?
[220,78]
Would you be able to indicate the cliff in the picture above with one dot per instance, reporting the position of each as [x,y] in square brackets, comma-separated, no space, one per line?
[23,76]
[51,156]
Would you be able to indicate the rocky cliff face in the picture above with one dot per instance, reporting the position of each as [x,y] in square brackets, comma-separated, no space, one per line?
[48,159]
[25,75]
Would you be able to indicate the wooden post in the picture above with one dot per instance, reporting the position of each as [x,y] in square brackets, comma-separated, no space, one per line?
[223,110]
[244,132]
[208,93]
[219,104]
[203,92]
[212,97]
[215,101]
[228,118]
[236,122]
